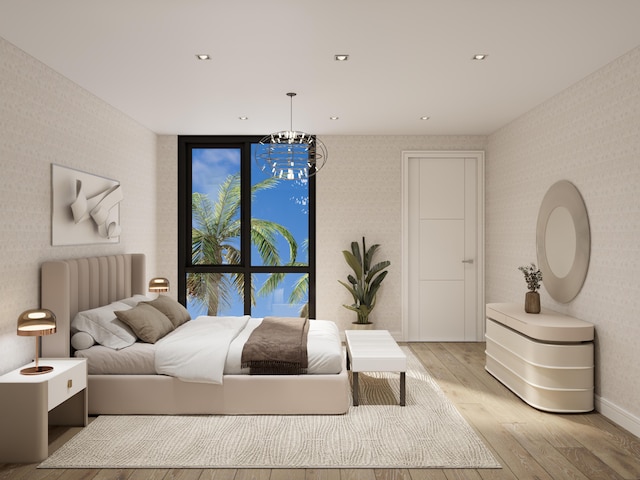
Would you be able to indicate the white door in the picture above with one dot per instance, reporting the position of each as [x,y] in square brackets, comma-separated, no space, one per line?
[443,260]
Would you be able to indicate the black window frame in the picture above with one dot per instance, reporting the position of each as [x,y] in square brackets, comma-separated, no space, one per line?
[186,143]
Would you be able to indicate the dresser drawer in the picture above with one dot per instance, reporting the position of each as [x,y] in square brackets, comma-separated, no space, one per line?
[65,384]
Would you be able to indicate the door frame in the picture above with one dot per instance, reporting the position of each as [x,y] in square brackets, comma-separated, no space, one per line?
[478,155]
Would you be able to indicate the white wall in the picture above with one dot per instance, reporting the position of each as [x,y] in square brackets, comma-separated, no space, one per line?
[589,135]
[359,192]
[167,215]
[45,119]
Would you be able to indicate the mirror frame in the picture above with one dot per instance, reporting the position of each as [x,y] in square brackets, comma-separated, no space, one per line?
[564,194]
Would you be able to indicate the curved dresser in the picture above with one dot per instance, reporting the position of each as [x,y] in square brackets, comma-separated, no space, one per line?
[546,359]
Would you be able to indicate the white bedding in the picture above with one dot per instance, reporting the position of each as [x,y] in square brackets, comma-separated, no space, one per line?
[197,350]
[324,350]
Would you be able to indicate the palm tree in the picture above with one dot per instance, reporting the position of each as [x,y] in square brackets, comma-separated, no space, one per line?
[215,227]
[300,286]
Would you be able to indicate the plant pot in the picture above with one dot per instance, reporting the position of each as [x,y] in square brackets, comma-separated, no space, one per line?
[532,302]
[362,326]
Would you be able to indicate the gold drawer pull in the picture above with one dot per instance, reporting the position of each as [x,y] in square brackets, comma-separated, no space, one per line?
[70,383]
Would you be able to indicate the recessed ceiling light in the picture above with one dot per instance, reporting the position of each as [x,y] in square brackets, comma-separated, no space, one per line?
[243,118]
[203,56]
[480,56]
[334,118]
[341,57]
[424,118]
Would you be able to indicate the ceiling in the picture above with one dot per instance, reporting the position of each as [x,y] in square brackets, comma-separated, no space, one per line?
[408,59]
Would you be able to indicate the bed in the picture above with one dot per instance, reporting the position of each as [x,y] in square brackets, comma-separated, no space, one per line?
[77,285]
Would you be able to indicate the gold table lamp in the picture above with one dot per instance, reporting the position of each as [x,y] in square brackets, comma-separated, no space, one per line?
[36,323]
[158,284]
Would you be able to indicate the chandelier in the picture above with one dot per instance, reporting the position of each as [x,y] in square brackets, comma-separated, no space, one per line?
[291,155]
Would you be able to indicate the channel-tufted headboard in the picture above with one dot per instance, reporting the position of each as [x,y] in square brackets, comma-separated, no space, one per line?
[71,286]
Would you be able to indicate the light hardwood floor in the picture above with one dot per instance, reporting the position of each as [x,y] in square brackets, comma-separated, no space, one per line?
[528,443]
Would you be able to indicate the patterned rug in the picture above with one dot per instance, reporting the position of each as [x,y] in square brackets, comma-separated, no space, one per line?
[427,433]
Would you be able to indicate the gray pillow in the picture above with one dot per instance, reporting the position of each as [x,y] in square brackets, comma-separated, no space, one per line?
[148,323]
[172,309]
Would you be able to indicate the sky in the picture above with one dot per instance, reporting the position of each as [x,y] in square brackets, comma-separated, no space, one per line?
[286,204]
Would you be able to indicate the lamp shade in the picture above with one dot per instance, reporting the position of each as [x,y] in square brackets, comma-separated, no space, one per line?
[159,284]
[36,322]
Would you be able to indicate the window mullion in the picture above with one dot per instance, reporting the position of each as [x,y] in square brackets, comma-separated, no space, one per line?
[245,221]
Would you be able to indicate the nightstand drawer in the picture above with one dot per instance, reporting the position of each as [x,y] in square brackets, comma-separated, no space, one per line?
[66,384]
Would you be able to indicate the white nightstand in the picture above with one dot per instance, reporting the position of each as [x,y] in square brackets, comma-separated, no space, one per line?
[30,403]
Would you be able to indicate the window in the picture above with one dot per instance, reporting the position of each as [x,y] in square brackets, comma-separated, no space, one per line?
[246,240]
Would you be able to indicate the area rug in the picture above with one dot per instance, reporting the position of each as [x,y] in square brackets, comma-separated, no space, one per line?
[426,433]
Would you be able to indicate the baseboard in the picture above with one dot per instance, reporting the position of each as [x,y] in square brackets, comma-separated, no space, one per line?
[618,415]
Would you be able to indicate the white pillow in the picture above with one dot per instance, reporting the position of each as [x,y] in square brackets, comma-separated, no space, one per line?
[136,299]
[103,325]
[82,341]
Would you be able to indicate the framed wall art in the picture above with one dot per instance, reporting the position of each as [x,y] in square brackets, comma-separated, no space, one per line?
[85,208]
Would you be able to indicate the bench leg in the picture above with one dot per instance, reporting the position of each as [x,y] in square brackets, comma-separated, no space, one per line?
[403,388]
[355,388]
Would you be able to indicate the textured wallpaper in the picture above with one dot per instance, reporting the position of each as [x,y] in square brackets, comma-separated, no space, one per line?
[589,135]
[45,119]
[359,193]
[167,214]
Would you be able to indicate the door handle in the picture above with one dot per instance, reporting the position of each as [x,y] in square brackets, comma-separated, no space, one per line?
[468,261]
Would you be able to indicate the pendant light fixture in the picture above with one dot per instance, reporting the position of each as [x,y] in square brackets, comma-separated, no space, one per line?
[289,154]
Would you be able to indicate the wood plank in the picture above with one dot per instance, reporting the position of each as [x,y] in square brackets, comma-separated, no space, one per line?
[253,474]
[504,446]
[554,461]
[392,474]
[590,465]
[357,474]
[218,474]
[462,474]
[322,474]
[148,473]
[114,474]
[287,474]
[603,444]
[427,474]
[504,473]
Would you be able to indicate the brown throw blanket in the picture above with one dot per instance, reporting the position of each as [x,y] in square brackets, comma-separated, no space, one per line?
[278,346]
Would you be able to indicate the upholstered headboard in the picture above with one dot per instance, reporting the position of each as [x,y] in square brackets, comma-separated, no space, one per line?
[71,286]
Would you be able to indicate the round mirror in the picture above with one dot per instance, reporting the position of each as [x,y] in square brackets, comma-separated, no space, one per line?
[563,241]
[560,241]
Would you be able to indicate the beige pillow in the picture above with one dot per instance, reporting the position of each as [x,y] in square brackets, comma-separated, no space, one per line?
[148,323]
[172,309]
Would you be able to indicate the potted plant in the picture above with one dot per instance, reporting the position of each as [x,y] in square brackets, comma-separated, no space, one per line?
[365,282]
[533,277]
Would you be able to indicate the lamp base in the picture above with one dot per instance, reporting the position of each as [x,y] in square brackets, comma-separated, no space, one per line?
[36,370]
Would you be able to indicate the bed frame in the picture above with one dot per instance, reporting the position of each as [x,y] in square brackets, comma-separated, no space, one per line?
[70,286]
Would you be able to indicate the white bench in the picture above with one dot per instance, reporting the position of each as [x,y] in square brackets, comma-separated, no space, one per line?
[374,351]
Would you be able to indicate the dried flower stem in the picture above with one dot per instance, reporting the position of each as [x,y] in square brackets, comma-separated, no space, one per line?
[532,275]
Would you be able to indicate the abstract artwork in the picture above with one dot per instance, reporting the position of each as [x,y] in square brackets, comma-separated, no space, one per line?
[85,207]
